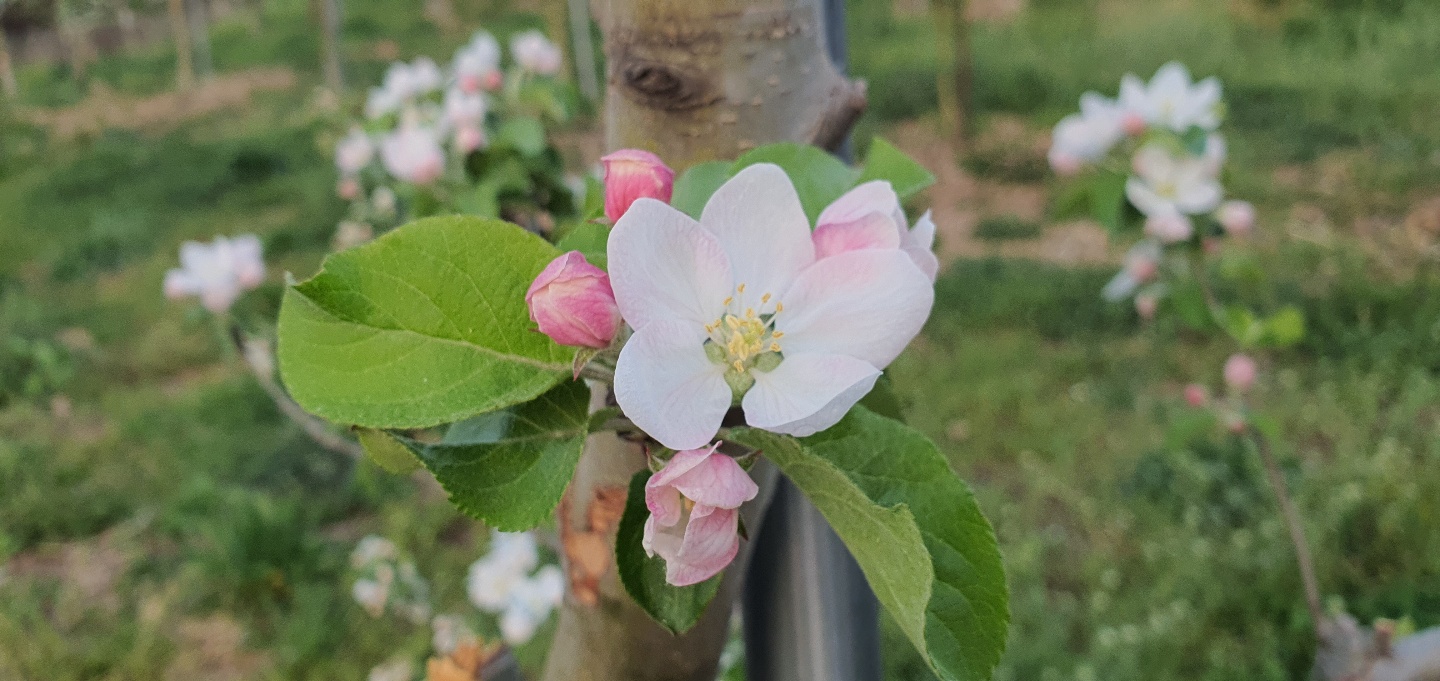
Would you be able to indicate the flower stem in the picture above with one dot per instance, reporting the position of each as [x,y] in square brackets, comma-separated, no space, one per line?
[1292,521]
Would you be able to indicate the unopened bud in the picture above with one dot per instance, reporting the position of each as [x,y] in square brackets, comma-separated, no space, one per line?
[1240,372]
[632,174]
[573,303]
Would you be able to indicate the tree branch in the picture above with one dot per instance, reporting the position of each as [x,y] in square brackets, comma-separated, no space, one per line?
[1293,522]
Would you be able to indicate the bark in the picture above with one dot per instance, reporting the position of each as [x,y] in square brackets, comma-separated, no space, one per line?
[180,32]
[954,73]
[696,80]
[692,80]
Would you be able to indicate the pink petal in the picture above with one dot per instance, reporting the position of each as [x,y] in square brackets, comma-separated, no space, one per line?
[873,230]
[718,481]
[663,266]
[807,393]
[757,217]
[667,385]
[865,304]
[710,544]
[876,196]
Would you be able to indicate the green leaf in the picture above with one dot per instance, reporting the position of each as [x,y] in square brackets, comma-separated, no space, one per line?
[512,482]
[1107,199]
[915,529]
[1188,300]
[819,178]
[423,326]
[883,400]
[590,239]
[694,186]
[676,608]
[905,174]
[1072,202]
[594,207]
[523,134]
[1242,325]
[386,452]
[1284,328]
[1188,426]
[1195,140]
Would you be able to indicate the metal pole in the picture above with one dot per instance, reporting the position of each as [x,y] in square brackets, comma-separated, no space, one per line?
[809,614]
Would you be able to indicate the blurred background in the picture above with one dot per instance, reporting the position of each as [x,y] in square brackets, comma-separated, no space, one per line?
[160,518]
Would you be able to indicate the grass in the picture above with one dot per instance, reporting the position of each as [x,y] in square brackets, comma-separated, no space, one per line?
[129,435]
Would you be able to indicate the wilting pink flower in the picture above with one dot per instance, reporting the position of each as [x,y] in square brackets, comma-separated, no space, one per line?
[353,152]
[1237,217]
[693,518]
[736,306]
[1196,395]
[1240,372]
[535,53]
[632,174]
[411,154]
[1146,305]
[870,216]
[217,272]
[572,302]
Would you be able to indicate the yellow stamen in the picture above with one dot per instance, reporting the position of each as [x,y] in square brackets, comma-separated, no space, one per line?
[778,334]
[740,288]
[727,301]
[779,307]
[749,313]
[774,347]
[765,298]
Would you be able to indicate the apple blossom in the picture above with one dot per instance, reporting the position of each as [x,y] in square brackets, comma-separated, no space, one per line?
[1142,263]
[736,308]
[501,583]
[464,109]
[217,272]
[411,154]
[349,234]
[1237,217]
[693,518]
[530,605]
[477,64]
[535,53]
[354,152]
[870,216]
[372,549]
[1166,184]
[1240,372]
[1171,100]
[572,302]
[1146,305]
[1086,137]
[348,188]
[631,174]
[1169,227]
[469,138]
[383,200]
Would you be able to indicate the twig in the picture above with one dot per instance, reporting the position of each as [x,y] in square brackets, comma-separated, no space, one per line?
[261,363]
[1297,530]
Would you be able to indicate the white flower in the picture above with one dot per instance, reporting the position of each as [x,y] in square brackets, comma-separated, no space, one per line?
[373,594]
[1169,227]
[492,579]
[535,53]
[412,154]
[217,272]
[1142,263]
[450,632]
[736,306]
[477,64]
[372,549]
[531,603]
[1086,137]
[1171,101]
[403,83]
[870,216]
[1165,184]
[464,109]
[383,200]
[399,669]
[354,152]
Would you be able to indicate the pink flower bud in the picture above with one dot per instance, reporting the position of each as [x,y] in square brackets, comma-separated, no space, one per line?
[693,519]
[1237,217]
[468,139]
[1240,372]
[1146,306]
[572,302]
[632,174]
[1170,227]
[1196,395]
[1143,269]
[1133,124]
[348,188]
[1235,423]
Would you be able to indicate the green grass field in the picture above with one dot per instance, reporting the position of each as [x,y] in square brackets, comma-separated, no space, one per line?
[160,519]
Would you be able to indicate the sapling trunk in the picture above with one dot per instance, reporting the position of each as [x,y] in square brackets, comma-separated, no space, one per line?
[7,69]
[180,33]
[693,81]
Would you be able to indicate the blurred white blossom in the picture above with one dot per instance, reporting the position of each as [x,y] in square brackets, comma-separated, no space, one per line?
[501,583]
[535,53]
[217,272]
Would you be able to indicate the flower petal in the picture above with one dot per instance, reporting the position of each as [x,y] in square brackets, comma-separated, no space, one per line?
[919,243]
[873,230]
[876,196]
[866,304]
[1145,199]
[758,219]
[710,544]
[668,387]
[663,266]
[718,481]
[807,393]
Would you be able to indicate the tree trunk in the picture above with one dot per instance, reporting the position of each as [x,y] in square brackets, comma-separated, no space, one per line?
[953,74]
[692,80]
[7,70]
[198,20]
[697,80]
[582,48]
[330,17]
[180,32]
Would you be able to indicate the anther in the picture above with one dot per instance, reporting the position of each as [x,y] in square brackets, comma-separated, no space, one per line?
[765,298]
[740,288]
